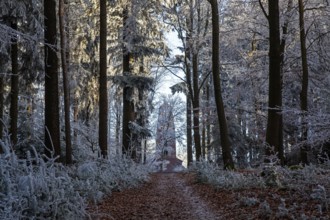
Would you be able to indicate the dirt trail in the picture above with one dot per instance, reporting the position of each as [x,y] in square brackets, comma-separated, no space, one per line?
[166,196]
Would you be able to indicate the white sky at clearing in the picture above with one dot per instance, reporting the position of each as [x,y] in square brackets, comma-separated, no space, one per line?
[169,80]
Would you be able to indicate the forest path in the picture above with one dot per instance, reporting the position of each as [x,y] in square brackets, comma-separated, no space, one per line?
[165,196]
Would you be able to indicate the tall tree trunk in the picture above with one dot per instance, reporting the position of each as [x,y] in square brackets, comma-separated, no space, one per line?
[52,121]
[75,116]
[118,128]
[204,140]
[203,124]
[189,133]
[197,137]
[144,151]
[128,105]
[14,86]
[189,96]
[225,144]
[274,136]
[189,107]
[103,91]
[64,55]
[208,122]
[282,52]
[1,104]
[304,87]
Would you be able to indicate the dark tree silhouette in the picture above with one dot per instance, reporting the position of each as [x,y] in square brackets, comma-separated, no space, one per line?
[14,86]
[224,138]
[103,92]
[52,122]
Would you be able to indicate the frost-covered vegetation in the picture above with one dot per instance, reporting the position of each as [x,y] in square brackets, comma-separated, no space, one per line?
[40,188]
[284,192]
[211,173]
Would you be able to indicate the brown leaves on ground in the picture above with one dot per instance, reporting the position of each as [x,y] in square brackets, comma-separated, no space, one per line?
[179,196]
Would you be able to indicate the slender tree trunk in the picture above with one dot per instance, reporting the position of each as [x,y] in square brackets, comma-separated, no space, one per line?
[75,116]
[197,137]
[14,87]
[189,133]
[282,52]
[274,136]
[145,151]
[118,128]
[204,140]
[203,123]
[1,105]
[64,55]
[189,109]
[208,122]
[103,91]
[225,144]
[189,98]
[304,87]
[52,121]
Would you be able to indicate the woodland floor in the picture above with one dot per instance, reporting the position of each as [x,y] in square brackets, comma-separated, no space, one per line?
[179,196]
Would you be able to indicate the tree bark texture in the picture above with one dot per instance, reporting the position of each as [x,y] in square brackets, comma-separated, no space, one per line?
[3,61]
[197,137]
[304,86]
[282,52]
[66,89]
[118,110]
[1,105]
[14,86]
[203,145]
[52,122]
[189,133]
[274,137]
[208,122]
[190,94]
[224,138]
[103,92]
[189,107]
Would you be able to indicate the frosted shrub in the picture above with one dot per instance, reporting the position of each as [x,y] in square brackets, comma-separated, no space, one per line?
[264,210]
[206,172]
[271,176]
[319,193]
[248,201]
[127,173]
[212,174]
[282,211]
[304,176]
[35,189]
[94,179]
[87,170]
